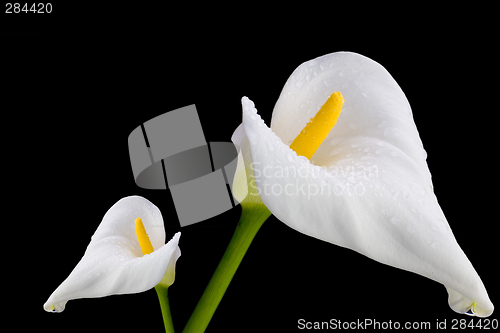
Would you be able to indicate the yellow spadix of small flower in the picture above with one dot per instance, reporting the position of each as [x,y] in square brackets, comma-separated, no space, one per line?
[143,237]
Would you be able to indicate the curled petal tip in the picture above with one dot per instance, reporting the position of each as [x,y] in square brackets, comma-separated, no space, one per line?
[472,307]
[54,308]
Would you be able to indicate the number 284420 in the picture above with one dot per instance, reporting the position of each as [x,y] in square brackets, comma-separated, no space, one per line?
[36,8]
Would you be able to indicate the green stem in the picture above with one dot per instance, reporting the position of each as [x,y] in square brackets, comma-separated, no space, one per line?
[252,218]
[162,291]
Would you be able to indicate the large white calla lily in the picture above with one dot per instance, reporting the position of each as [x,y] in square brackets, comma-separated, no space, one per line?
[367,187]
[114,262]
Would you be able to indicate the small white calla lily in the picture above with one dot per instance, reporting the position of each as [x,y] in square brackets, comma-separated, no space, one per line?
[367,187]
[114,263]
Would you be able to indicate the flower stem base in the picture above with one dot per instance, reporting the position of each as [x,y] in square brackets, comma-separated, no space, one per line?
[162,291]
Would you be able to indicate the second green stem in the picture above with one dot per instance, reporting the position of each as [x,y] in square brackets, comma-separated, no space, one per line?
[252,218]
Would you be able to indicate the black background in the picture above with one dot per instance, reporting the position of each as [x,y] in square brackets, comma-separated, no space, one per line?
[76,82]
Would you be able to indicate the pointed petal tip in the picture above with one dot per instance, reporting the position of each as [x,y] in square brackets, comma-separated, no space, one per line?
[248,104]
[176,237]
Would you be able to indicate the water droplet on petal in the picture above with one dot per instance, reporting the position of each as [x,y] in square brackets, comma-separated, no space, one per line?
[396,196]
[329,82]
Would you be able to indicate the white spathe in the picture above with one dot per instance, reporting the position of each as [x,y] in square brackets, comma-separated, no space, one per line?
[368,187]
[113,262]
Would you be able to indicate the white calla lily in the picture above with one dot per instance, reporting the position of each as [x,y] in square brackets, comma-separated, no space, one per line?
[114,263]
[367,187]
